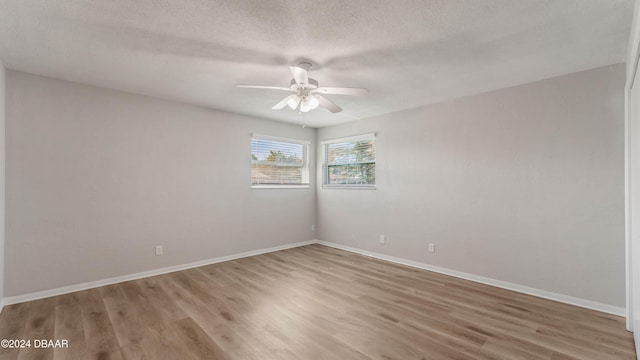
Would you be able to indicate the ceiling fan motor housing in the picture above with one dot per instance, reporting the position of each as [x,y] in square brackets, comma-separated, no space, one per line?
[313,84]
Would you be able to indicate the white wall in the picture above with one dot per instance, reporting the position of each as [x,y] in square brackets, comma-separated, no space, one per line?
[634,203]
[2,180]
[523,185]
[505,182]
[96,178]
[632,158]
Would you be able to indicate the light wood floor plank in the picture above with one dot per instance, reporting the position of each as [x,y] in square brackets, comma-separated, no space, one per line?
[69,326]
[102,343]
[13,325]
[125,319]
[312,302]
[40,325]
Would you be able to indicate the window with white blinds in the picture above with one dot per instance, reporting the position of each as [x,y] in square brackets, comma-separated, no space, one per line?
[350,162]
[279,162]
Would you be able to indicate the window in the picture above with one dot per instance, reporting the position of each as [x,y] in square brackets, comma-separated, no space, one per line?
[279,162]
[350,162]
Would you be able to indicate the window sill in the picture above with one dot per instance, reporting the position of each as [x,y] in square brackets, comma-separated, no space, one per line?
[350,187]
[279,186]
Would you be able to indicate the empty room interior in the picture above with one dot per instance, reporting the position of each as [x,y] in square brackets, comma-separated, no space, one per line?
[319,180]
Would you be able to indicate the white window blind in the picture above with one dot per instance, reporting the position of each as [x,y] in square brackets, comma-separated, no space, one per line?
[350,162]
[279,162]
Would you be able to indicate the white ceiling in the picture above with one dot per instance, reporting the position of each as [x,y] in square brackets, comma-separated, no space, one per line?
[407,53]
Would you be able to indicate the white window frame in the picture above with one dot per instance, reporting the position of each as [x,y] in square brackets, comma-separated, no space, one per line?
[305,169]
[325,162]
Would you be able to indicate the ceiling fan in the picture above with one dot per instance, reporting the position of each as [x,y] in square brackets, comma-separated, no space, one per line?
[307,94]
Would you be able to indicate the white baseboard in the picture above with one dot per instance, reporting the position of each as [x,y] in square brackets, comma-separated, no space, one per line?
[118,279]
[593,305]
[620,311]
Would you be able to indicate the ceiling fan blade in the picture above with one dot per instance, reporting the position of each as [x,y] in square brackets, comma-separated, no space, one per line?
[283,103]
[299,75]
[341,91]
[263,87]
[327,104]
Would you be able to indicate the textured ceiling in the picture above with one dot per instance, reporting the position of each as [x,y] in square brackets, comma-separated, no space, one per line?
[407,53]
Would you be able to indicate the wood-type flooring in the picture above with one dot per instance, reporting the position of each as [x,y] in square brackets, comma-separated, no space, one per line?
[311,302]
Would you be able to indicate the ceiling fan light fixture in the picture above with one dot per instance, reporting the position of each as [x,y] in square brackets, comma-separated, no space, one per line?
[293,102]
[305,106]
[313,103]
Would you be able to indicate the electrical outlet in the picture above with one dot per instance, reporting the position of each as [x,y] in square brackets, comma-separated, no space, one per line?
[313,227]
[383,239]
[431,247]
[159,250]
